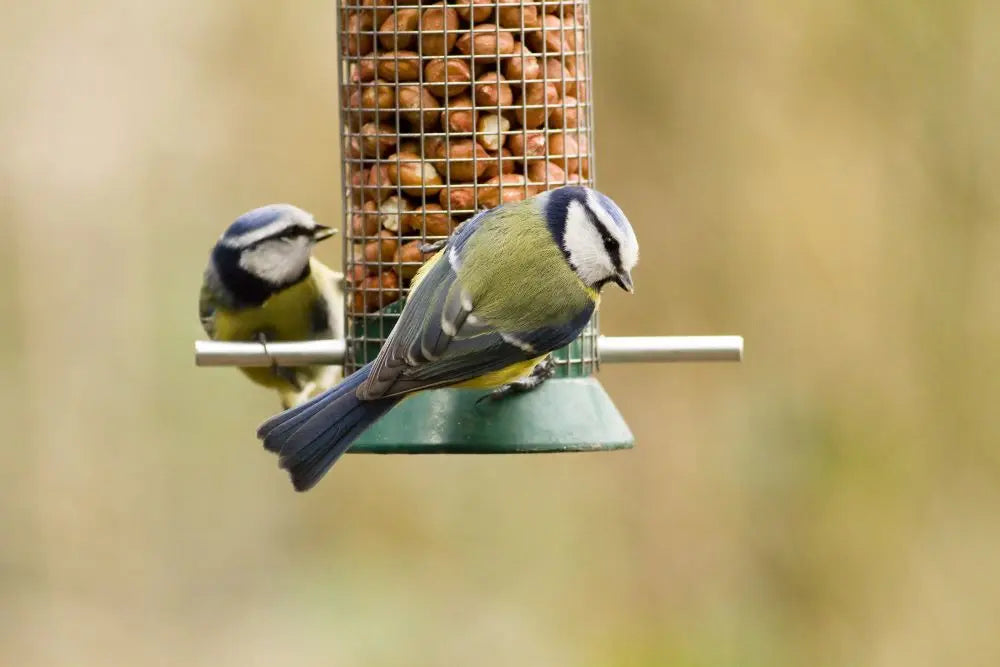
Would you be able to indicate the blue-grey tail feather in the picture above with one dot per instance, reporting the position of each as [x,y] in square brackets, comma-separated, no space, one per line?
[309,439]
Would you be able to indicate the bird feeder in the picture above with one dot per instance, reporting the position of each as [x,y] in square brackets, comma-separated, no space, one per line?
[446,110]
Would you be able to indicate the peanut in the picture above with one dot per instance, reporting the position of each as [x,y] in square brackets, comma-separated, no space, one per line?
[464,159]
[375,292]
[501,163]
[503,190]
[357,35]
[474,11]
[353,150]
[491,130]
[409,146]
[436,32]
[399,66]
[522,65]
[545,175]
[458,199]
[575,67]
[356,179]
[561,76]
[413,175]
[550,6]
[409,257]
[419,107]
[382,13]
[553,37]
[428,220]
[491,89]
[399,31]
[564,151]
[584,142]
[528,144]
[459,116]
[382,248]
[356,273]
[363,71]
[377,139]
[447,77]
[539,100]
[517,14]
[378,185]
[565,115]
[377,100]
[391,212]
[365,222]
[486,42]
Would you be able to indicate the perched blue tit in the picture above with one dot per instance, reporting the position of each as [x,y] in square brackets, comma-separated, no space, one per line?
[511,285]
[262,284]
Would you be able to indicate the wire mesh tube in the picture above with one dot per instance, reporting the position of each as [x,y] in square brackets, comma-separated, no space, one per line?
[447,109]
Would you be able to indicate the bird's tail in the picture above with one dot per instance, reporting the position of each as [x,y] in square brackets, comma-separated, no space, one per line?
[308,439]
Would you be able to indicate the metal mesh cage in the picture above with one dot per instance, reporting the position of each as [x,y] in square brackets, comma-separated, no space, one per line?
[447,109]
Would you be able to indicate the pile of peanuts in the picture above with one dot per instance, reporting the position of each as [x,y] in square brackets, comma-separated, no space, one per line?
[451,108]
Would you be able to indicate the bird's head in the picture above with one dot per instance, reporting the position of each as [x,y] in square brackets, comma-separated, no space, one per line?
[266,250]
[594,235]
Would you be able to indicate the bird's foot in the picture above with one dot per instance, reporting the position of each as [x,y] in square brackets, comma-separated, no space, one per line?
[431,248]
[542,371]
[281,372]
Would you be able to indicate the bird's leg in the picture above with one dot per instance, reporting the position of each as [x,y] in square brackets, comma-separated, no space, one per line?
[282,372]
[542,371]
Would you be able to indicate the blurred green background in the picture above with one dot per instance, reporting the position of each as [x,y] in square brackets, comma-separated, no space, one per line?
[820,178]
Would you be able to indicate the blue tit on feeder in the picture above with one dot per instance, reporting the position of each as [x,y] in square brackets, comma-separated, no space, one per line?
[512,284]
[262,284]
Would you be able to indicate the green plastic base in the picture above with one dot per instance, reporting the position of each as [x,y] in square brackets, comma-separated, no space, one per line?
[562,415]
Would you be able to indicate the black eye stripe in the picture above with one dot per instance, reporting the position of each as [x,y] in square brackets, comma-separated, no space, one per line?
[611,244]
[291,232]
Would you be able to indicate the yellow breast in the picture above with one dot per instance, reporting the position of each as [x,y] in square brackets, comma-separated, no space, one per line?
[288,315]
[503,376]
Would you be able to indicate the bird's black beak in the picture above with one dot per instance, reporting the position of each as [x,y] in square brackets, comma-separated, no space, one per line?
[323,232]
[624,280]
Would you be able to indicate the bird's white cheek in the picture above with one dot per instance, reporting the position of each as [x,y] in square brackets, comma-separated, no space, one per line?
[274,263]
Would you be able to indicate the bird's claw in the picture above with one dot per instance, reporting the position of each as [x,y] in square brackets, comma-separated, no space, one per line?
[286,374]
[429,248]
[542,371]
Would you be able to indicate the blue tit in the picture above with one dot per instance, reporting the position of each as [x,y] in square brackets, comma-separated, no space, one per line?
[262,284]
[511,285]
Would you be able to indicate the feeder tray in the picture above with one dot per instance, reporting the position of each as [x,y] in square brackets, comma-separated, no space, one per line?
[562,415]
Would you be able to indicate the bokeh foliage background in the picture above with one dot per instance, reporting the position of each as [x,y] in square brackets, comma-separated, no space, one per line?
[818,177]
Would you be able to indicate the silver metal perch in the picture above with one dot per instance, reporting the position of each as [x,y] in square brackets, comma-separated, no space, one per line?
[611,350]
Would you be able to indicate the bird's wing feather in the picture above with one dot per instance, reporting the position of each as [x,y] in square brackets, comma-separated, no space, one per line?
[206,310]
[439,341]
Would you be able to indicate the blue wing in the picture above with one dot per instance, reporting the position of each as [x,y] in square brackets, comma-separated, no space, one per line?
[440,341]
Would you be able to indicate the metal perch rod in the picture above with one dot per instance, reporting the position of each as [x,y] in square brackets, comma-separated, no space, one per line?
[620,349]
